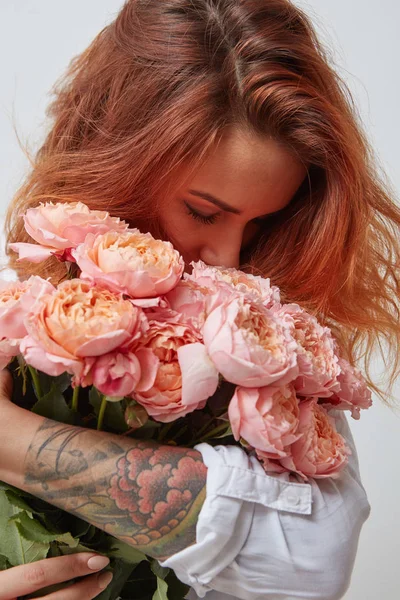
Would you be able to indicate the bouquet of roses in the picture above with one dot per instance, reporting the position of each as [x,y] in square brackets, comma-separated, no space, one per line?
[131,343]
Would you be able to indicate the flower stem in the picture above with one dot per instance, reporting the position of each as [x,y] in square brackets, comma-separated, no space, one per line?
[102,410]
[75,397]
[212,433]
[184,428]
[36,381]
[165,430]
[201,430]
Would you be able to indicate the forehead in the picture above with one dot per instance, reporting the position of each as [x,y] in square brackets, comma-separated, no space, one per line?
[251,173]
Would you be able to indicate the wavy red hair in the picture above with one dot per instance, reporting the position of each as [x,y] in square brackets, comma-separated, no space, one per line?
[155,90]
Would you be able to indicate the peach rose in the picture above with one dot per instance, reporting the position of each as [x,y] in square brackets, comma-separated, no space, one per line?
[185,377]
[17,298]
[207,276]
[248,344]
[76,321]
[267,418]
[317,356]
[320,452]
[132,262]
[353,395]
[59,227]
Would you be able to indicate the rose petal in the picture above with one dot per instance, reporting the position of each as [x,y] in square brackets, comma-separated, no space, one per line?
[32,252]
[199,375]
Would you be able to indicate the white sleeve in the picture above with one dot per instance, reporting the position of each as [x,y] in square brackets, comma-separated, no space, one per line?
[270,537]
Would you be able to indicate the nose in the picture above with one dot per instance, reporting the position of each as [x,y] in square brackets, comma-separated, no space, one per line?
[223,252]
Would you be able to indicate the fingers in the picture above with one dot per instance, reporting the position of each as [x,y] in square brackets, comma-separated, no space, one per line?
[6,383]
[26,579]
[88,588]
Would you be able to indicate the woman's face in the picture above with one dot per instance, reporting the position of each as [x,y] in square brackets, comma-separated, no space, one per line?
[221,208]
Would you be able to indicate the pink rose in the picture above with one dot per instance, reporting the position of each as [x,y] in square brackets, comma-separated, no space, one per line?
[207,276]
[132,262]
[320,452]
[8,349]
[118,374]
[76,321]
[189,299]
[267,418]
[185,377]
[248,344]
[17,298]
[353,394]
[317,358]
[58,227]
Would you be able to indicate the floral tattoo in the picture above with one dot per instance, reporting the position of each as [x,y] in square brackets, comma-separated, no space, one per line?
[142,492]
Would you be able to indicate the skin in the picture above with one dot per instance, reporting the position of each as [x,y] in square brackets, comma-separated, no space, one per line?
[255,176]
[28,579]
[154,506]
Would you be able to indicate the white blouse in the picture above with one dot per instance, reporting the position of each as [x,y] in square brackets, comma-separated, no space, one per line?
[271,537]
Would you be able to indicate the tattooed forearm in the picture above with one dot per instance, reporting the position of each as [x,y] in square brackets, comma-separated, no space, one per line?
[142,492]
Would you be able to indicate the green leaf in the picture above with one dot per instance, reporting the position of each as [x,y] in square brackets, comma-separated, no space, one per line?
[54,406]
[121,572]
[161,591]
[4,563]
[18,502]
[225,434]
[142,583]
[79,548]
[127,553]
[13,545]
[34,531]
[114,414]
[78,527]
[177,590]
[158,570]
[48,382]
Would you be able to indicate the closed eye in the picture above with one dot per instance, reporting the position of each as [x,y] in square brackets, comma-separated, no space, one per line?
[205,219]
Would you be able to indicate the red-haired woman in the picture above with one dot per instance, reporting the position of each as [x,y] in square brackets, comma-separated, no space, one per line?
[220,126]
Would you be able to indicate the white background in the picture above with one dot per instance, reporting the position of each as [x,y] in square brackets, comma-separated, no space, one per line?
[37,40]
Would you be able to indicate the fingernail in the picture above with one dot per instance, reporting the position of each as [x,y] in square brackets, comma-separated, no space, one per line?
[98,562]
[104,579]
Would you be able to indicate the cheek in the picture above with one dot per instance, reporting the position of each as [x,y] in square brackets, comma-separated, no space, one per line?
[183,234]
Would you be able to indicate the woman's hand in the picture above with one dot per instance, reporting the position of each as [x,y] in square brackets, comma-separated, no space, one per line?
[27,579]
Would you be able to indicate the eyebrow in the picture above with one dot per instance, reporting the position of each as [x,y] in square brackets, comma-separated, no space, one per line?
[227,207]
[215,201]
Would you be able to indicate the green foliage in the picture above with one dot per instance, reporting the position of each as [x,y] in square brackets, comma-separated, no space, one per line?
[31,529]
[53,406]
[160,572]
[14,546]
[114,415]
[161,591]
[4,563]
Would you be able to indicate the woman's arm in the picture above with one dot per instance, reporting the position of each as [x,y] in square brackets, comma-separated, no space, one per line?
[142,492]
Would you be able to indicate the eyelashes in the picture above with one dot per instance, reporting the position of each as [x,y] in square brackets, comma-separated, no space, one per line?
[205,220]
[268,220]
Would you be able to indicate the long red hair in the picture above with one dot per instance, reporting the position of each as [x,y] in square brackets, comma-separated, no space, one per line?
[155,90]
